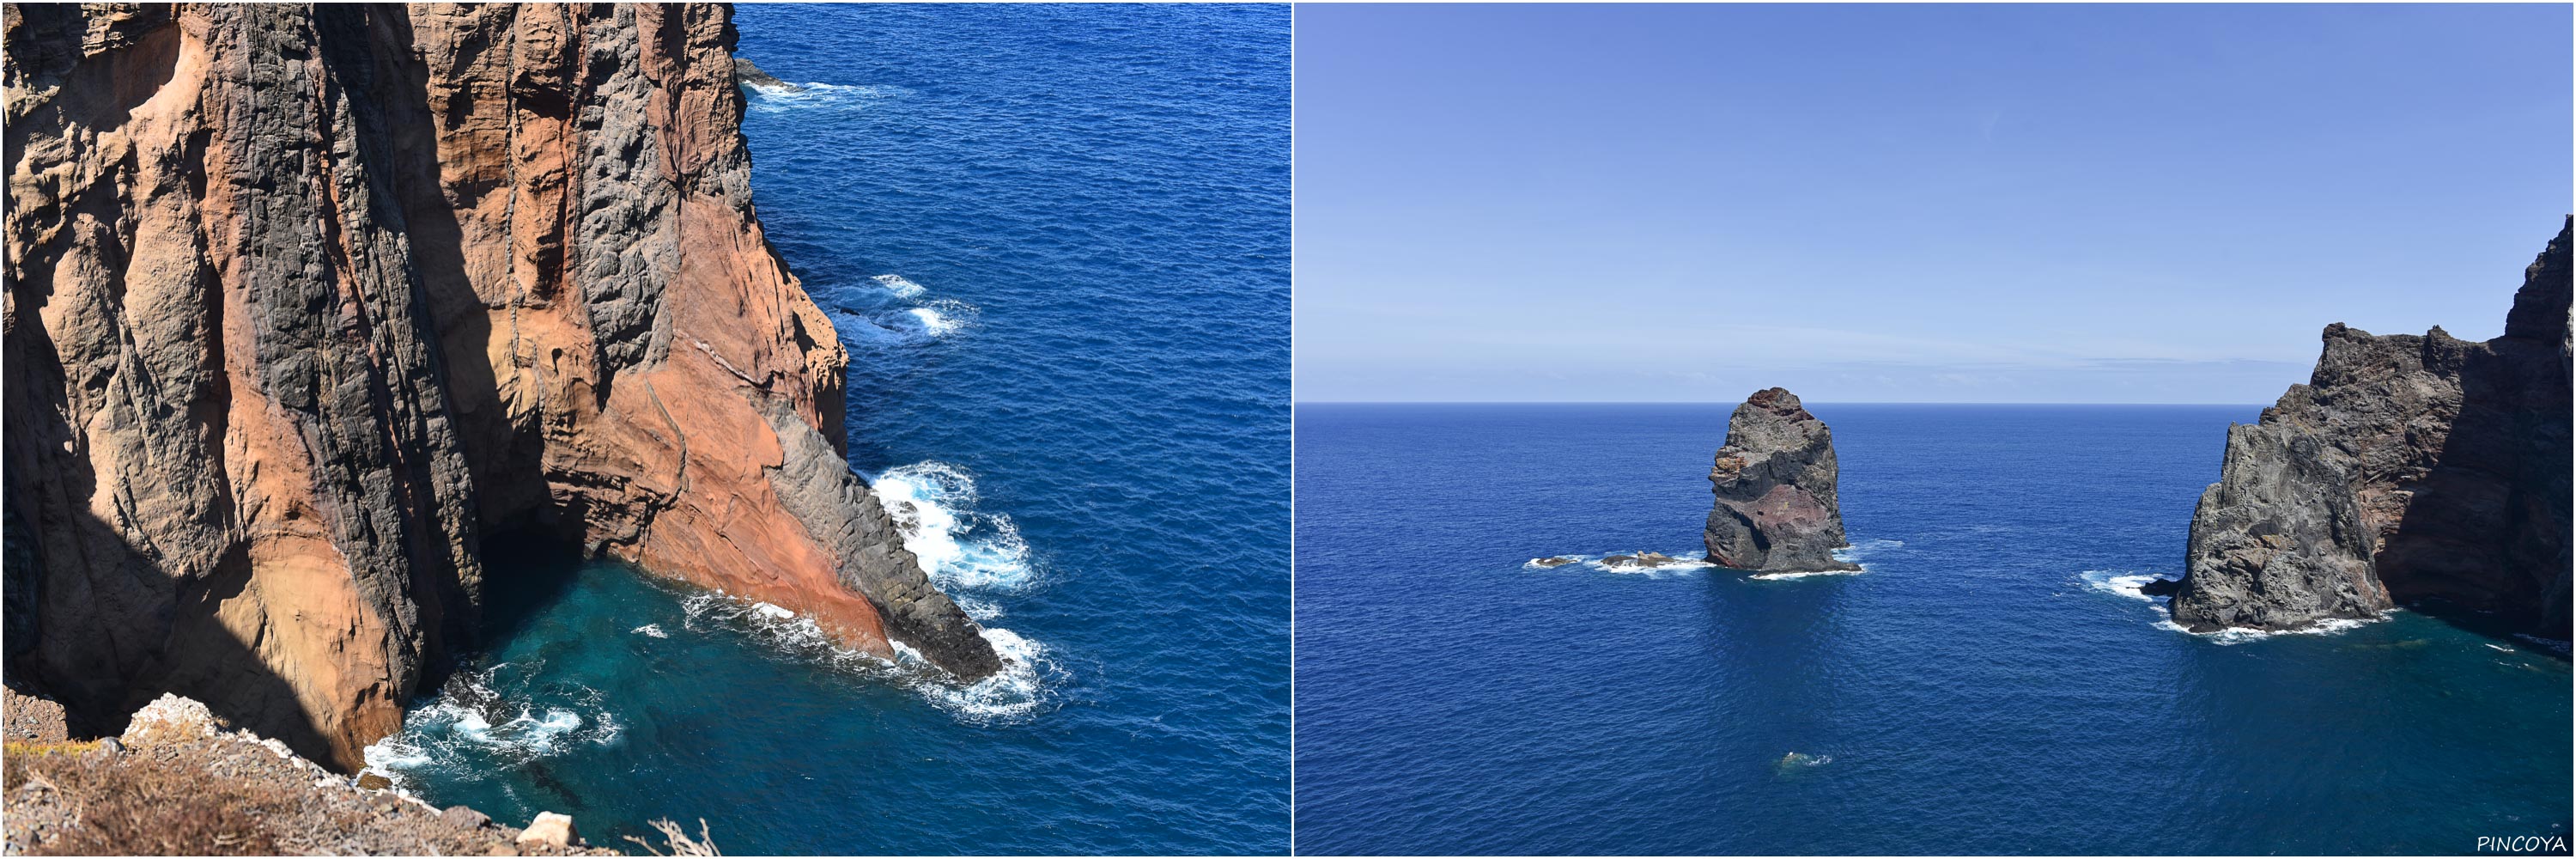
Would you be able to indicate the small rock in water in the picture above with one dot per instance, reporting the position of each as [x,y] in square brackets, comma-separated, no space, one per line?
[373,781]
[550,829]
[1795,761]
[1640,559]
[1552,562]
[2160,587]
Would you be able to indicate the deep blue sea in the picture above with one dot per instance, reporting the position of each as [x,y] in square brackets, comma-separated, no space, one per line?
[1055,239]
[1991,684]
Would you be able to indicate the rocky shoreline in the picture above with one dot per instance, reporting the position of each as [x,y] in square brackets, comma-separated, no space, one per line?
[2423,470]
[177,782]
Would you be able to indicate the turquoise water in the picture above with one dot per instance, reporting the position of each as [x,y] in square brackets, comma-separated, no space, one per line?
[1055,239]
[1993,683]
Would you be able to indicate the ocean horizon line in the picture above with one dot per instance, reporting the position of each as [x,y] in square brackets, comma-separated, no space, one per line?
[1730,404]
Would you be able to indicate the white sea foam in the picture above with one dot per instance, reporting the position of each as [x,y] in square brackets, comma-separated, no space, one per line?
[1859,552]
[1014,692]
[651,629]
[933,503]
[1802,760]
[1018,690]
[899,285]
[1806,574]
[469,713]
[1677,565]
[2553,646]
[2242,635]
[772,612]
[944,317]
[778,98]
[2125,584]
[980,610]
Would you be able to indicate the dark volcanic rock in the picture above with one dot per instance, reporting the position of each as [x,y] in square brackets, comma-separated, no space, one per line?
[2160,587]
[746,74]
[1776,509]
[2408,469]
[1638,560]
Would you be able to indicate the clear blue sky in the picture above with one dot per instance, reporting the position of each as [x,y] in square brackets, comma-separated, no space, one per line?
[1908,203]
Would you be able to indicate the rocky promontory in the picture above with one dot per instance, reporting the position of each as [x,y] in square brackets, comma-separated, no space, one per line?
[305,303]
[2409,470]
[1776,509]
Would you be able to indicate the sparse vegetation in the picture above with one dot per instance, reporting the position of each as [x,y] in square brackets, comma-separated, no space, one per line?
[147,807]
[680,842]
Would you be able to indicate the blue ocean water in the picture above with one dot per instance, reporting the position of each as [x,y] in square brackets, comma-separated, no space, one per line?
[1991,684]
[1055,239]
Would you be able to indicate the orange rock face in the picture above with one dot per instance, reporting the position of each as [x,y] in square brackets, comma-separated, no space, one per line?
[303,302]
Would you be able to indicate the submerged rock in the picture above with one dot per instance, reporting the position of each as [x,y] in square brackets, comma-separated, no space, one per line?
[2408,468]
[746,74]
[1639,560]
[1776,508]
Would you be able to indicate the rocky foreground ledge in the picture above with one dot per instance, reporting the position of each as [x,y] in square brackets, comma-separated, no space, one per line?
[177,783]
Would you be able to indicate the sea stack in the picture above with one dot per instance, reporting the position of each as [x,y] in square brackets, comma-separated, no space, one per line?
[2409,469]
[305,302]
[1776,508]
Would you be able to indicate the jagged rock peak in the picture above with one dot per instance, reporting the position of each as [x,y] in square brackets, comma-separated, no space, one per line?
[1777,508]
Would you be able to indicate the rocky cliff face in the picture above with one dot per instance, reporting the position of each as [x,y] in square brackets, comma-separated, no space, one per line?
[1776,509]
[2409,469]
[304,302]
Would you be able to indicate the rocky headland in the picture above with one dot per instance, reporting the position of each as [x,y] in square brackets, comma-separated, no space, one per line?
[306,304]
[1776,508]
[2409,469]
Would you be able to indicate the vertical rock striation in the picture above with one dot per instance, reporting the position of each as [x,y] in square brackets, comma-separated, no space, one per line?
[304,301]
[1776,509]
[2409,469]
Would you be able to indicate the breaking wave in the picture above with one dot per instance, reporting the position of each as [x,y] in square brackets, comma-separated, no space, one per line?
[960,547]
[1020,689]
[900,286]
[470,715]
[2131,585]
[780,98]
[1861,552]
[1809,574]
[895,314]
[2125,584]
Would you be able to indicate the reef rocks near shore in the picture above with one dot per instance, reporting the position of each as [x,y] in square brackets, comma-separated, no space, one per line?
[306,301]
[2408,469]
[1776,508]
